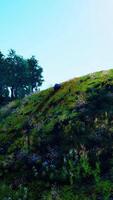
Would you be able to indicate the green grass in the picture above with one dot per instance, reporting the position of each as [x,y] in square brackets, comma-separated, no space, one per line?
[76,118]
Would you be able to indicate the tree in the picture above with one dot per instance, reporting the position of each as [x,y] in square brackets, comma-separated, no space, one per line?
[18,76]
[35,78]
[11,69]
[1,73]
[4,92]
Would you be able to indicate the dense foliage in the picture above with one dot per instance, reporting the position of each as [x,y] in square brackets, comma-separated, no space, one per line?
[18,76]
[58,144]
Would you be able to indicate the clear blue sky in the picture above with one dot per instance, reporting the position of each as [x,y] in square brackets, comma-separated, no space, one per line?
[69,37]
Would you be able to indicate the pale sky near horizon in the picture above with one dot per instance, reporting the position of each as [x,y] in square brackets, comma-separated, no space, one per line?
[69,37]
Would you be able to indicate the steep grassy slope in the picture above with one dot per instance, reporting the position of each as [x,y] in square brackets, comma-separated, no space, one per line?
[59,142]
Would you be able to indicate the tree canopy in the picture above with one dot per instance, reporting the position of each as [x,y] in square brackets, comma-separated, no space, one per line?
[18,76]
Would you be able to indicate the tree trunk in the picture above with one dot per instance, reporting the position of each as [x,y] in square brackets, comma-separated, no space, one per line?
[31,89]
[12,92]
[15,92]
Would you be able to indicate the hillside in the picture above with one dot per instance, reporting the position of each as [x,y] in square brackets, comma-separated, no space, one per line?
[59,143]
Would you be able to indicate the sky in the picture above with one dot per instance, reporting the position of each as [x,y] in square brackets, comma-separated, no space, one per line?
[69,37]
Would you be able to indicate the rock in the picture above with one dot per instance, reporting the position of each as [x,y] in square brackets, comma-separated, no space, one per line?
[57,86]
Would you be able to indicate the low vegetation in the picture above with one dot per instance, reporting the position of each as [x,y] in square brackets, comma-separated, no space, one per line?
[58,144]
